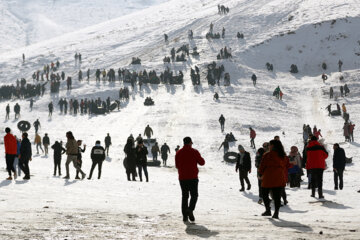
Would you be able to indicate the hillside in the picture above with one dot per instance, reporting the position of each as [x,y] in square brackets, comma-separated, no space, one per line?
[325,31]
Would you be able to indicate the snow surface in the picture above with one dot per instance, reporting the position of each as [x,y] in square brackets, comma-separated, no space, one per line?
[113,208]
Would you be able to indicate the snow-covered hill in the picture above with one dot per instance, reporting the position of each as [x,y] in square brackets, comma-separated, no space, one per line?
[114,208]
[25,22]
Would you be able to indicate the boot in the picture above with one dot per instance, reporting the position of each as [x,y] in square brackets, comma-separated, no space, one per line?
[249,187]
[267,212]
[313,192]
[320,193]
[276,214]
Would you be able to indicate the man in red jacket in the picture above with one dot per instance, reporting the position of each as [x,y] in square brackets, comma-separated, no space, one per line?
[186,161]
[252,137]
[10,152]
[316,156]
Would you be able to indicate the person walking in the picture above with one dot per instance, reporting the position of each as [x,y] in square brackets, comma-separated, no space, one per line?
[148,132]
[10,144]
[186,161]
[25,155]
[107,144]
[46,143]
[222,122]
[259,154]
[37,142]
[225,145]
[316,155]
[130,159]
[36,125]
[58,151]
[272,169]
[16,161]
[164,153]
[155,150]
[79,157]
[252,137]
[97,157]
[339,162]
[7,117]
[141,160]
[72,155]
[243,164]
[295,170]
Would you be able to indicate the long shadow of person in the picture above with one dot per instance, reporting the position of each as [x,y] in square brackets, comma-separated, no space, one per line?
[287,224]
[199,230]
[5,183]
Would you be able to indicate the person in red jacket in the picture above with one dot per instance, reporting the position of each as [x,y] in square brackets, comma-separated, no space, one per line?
[252,137]
[316,155]
[186,161]
[272,171]
[10,152]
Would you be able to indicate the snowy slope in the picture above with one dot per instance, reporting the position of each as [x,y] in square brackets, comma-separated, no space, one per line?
[27,22]
[117,209]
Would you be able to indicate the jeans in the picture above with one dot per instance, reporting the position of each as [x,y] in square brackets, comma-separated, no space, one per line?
[155,154]
[37,148]
[317,180]
[57,165]
[140,168]
[24,165]
[252,142]
[46,149]
[94,163]
[243,175]
[338,175]
[10,163]
[17,165]
[189,186]
[277,192]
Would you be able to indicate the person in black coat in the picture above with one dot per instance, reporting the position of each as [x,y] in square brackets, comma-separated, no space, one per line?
[130,159]
[58,151]
[97,157]
[141,159]
[243,164]
[25,155]
[339,161]
[259,154]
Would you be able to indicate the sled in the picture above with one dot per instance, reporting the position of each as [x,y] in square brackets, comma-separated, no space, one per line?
[24,126]
[154,163]
[113,106]
[335,113]
[149,141]
[230,157]
[348,160]
[99,111]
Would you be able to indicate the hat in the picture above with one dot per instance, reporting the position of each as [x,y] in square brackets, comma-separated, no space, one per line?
[241,148]
[187,140]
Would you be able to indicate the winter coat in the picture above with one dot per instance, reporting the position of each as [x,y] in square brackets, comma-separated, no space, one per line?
[141,156]
[246,164]
[107,141]
[351,128]
[221,119]
[37,139]
[25,149]
[71,147]
[186,161]
[346,130]
[18,147]
[225,144]
[130,160]
[316,155]
[165,150]
[58,150]
[10,144]
[79,156]
[317,134]
[305,135]
[46,140]
[155,149]
[148,132]
[252,134]
[272,169]
[97,153]
[339,159]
